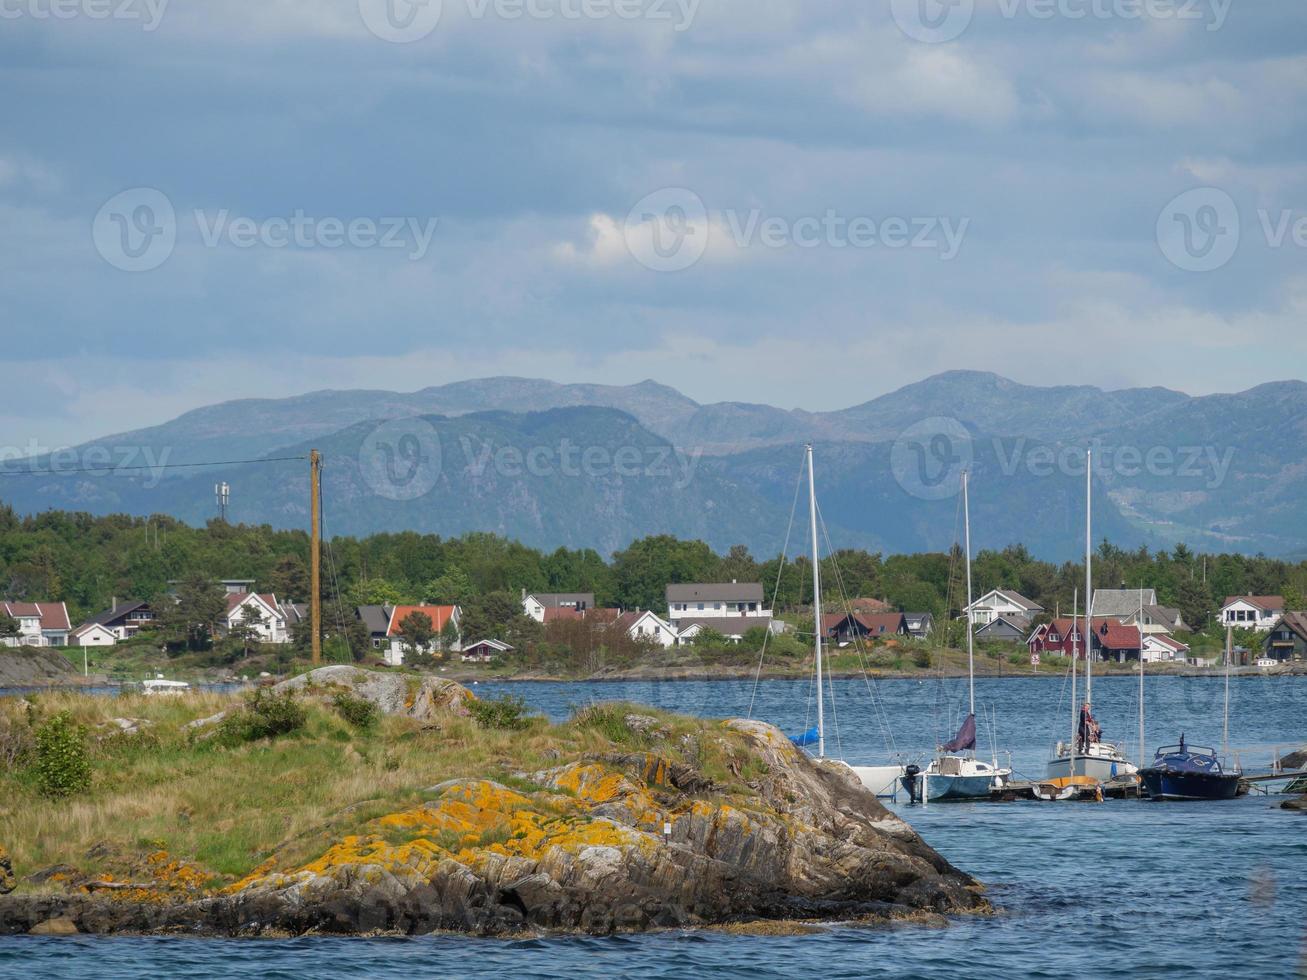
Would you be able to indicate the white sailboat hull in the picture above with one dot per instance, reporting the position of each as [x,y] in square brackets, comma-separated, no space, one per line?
[1102,766]
[881,780]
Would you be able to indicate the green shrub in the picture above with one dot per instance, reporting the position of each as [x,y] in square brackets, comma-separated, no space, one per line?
[265,715]
[1019,659]
[359,712]
[509,712]
[63,766]
[608,720]
[921,658]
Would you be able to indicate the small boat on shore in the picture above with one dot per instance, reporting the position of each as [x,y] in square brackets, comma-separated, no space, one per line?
[1189,772]
[157,685]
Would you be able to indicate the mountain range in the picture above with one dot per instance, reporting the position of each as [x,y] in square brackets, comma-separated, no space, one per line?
[598,466]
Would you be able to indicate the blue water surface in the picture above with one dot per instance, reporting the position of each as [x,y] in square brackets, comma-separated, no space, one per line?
[1120,889]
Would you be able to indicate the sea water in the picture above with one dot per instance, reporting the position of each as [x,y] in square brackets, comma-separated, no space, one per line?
[1120,889]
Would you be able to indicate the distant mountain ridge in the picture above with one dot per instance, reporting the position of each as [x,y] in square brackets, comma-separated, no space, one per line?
[1223,471]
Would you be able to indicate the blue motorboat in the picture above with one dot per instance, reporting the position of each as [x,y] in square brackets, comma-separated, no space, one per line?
[1189,772]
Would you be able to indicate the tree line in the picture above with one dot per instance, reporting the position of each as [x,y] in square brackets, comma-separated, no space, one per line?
[87,561]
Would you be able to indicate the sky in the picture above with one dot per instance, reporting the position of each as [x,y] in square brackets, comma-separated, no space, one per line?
[803,204]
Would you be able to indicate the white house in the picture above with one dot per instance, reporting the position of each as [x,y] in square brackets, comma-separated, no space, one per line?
[1252,612]
[1001,603]
[537,604]
[40,624]
[648,626]
[397,645]
[261,612]
[1161,648]
[93,635]
[716,600]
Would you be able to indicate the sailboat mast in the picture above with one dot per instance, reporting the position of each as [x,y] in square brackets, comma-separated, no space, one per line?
[971,655]
[1140,627]
[816,609]
[1225,732]
[1075,613]
[1089,578]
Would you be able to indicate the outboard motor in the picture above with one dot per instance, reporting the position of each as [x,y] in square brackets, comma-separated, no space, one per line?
[913,784]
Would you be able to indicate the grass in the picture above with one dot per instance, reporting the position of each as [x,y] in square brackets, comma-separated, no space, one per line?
[228,808]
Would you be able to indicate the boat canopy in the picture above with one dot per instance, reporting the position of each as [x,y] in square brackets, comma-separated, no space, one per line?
[965,738]
[810,737]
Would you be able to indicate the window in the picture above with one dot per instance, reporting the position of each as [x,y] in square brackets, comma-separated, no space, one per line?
[701,607]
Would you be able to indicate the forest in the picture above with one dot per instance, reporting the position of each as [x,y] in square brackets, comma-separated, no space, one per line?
[89,561]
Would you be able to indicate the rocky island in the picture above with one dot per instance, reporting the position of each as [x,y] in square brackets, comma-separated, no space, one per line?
[351,802]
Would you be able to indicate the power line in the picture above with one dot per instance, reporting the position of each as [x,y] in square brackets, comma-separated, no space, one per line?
[73,471]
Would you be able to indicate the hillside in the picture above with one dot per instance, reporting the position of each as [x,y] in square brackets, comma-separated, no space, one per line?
[1226,472]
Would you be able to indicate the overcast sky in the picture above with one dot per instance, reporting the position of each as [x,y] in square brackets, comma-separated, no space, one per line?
[834,199]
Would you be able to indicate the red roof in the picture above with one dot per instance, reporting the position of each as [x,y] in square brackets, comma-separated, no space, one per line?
[439,616]
[234,599]
[53,615]
[1114,635]
[561,614]
[1271,603]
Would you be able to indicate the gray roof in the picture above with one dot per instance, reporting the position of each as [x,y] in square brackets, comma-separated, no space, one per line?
[715,592]
[727,625]
[375,618]
[119,611]
[1115,603]
[556,600]
[1017,625]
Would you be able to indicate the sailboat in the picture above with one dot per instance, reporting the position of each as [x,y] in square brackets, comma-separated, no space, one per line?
[1088,755]
[882,779]
[955,773]
[1192,772]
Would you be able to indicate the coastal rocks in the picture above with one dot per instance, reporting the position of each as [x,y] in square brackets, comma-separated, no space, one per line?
[7,880]
[1294,760]
[739,828]
[421,698]
[1296,804]
[61,926]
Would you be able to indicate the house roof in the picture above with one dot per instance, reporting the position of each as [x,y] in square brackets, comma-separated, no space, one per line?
[120,611]
[1114,635]
[53,615]
[236,599]
[727,625]
[1167,641]
[553,600]
[88,627]
[561,614]
[1293,621]
[439,616]
[1015,598]
[1122,602]
[497,645]
[715,592]
[375,618]
[877,623]
[1019,623]
[295,612]
[1269,603]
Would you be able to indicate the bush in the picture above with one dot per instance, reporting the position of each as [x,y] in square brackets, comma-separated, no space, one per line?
[265,715]
[921,658]
[16,743]
[359,712]
[63,767]
[509,712]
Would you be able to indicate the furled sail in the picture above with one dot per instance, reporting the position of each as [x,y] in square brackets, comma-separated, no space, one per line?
[965,738]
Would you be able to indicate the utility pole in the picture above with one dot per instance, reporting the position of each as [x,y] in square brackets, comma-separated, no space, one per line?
[315,553]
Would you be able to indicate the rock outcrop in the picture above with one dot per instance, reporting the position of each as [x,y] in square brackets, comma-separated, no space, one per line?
[421,698]
[636,837]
